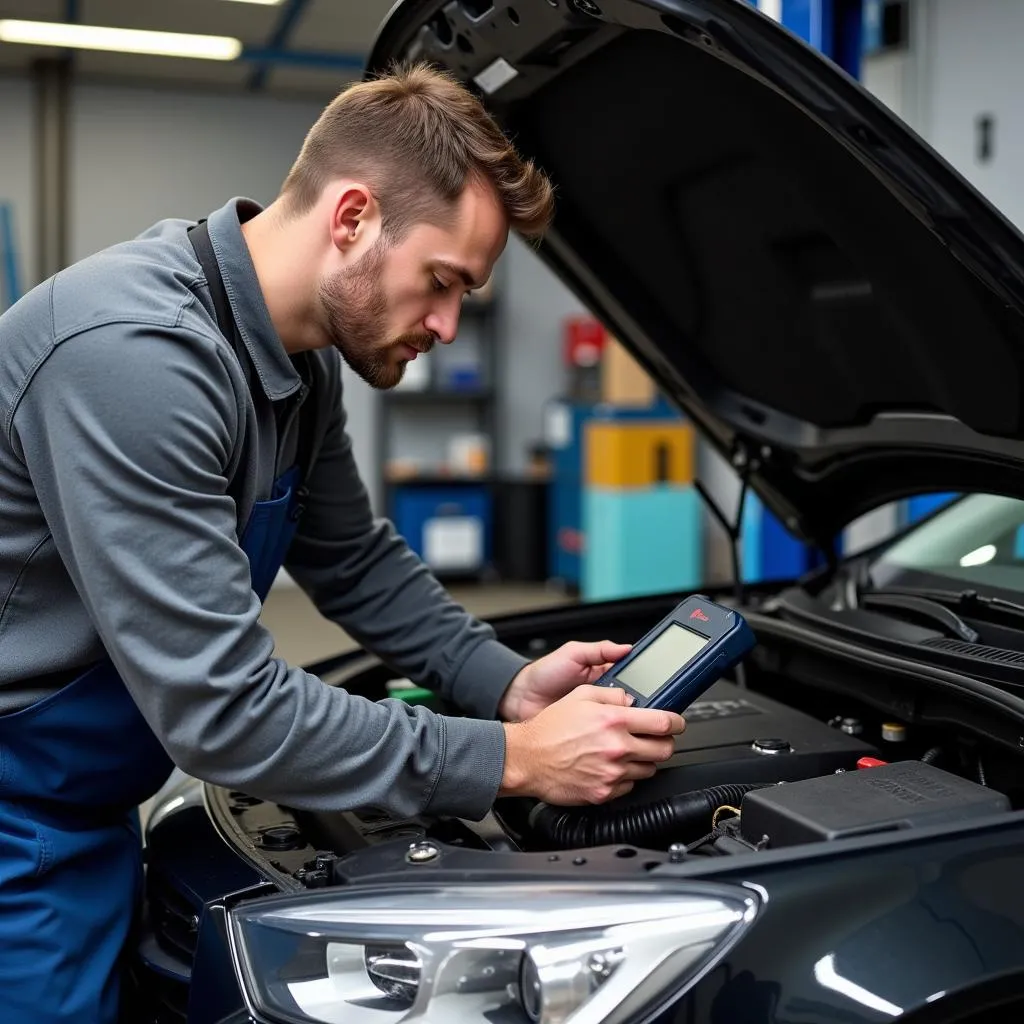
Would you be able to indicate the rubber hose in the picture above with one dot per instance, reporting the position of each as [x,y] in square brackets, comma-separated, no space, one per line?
[672,819]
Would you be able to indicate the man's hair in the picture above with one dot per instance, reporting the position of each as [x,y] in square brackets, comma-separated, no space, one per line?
[417,137]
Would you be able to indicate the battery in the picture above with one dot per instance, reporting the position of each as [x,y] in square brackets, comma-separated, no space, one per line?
[904,794]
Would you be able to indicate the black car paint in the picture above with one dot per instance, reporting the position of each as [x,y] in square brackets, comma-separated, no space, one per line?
[907,917]
[909,920]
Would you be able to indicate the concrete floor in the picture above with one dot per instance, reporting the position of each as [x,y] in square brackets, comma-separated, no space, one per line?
[302,635]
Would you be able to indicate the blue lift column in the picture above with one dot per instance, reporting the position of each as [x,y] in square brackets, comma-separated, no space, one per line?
[833,27]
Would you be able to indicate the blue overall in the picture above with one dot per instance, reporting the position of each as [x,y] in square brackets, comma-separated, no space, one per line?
[73,769]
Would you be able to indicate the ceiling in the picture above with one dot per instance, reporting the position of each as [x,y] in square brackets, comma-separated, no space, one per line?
[316,45]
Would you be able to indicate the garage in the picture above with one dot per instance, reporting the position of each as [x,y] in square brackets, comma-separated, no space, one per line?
[511,511]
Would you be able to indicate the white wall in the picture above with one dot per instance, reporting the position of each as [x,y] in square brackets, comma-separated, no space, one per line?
[138,155]
[17,157]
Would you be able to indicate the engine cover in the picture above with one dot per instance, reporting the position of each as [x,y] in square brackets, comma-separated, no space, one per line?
[736,735]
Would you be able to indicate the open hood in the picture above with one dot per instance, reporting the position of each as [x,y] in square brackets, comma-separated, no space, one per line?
[837,310]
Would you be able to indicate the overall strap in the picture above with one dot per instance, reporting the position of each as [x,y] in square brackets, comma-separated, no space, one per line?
[199,236]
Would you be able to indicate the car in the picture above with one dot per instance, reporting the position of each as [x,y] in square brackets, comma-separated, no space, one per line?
[839,835]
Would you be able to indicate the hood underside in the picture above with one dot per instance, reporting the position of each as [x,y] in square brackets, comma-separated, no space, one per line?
[836,308]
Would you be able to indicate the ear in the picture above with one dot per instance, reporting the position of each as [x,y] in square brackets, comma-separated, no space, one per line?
[355,218]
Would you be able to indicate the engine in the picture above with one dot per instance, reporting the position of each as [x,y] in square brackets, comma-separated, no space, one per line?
[750,774]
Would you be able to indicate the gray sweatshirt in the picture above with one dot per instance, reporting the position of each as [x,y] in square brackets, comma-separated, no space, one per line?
[134,442]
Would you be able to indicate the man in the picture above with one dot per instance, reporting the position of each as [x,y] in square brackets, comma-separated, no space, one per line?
[172,431]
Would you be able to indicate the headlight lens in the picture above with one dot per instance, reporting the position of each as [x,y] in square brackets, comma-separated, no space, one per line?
[563,953]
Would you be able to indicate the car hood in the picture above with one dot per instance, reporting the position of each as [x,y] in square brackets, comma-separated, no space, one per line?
[836,309]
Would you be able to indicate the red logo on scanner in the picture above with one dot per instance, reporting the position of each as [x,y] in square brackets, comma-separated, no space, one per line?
[698,614]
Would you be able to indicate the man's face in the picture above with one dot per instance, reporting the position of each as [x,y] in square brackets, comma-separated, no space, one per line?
[396,301]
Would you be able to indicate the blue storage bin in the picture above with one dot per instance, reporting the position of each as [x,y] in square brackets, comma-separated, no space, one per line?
[641,541]
[420,513]
[564,428]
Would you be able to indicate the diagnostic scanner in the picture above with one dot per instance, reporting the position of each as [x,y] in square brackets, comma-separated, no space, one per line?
[684,654]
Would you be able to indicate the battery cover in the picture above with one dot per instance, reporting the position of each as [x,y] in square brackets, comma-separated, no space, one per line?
[906,794]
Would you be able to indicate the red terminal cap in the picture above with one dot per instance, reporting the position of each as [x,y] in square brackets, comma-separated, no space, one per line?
[870,762]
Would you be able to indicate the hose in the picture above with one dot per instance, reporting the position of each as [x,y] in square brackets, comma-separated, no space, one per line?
[932,755]
[671,819]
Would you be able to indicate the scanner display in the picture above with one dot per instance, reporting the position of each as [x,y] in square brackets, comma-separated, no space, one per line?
[661,660]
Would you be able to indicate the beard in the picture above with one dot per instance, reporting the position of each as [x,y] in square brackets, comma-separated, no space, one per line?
[355,307]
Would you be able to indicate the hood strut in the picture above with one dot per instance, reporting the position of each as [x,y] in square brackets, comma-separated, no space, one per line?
[732,529]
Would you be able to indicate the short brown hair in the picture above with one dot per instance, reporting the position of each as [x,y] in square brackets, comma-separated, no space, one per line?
[416,136]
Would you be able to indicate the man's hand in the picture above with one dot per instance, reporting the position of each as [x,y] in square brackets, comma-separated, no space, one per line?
[550,678]
[589,747]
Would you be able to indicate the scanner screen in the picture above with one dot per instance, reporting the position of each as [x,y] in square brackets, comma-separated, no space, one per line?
[661,659]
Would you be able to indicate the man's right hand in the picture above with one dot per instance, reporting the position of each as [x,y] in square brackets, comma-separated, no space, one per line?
[586,748]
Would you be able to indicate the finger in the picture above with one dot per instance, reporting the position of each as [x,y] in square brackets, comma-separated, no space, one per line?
[595,673]
[647,748]
[605,793]
[604,695]
[653,721]
[636,770]
[600,653]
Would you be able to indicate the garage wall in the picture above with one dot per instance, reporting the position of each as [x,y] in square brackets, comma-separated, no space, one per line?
[17,155]
[974,68]
[534,305]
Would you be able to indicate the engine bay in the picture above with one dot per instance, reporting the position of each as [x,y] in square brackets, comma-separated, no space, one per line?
[752,772]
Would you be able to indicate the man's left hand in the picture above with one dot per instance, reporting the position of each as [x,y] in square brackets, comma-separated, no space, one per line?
[550,678]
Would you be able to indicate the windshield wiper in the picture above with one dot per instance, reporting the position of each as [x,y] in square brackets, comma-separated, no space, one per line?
[968,601]
[920,607]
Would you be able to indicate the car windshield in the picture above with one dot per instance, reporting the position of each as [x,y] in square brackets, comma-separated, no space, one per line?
[977,540]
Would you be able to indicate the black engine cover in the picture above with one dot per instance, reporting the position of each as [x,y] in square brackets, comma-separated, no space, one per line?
[736,735]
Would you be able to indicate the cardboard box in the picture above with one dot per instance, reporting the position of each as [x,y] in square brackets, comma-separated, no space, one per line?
[623,381]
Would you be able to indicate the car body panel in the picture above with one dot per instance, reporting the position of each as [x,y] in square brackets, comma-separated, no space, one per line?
[857,933]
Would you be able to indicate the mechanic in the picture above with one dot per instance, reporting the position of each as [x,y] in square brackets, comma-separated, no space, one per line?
[173,432]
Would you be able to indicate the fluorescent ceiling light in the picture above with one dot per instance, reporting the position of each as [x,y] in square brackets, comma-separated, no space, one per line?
[121,40]
[267,3]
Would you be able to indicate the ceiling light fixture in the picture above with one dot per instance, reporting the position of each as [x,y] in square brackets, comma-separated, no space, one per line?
[266,3]
[119,40]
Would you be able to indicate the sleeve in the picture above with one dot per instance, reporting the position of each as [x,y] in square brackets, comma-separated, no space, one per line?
[126,432]
[363,576]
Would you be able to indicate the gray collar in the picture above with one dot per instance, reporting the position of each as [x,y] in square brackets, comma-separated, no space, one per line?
[273,367]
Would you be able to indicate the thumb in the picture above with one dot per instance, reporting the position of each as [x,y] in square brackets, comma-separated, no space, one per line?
[604,695]
[600,653]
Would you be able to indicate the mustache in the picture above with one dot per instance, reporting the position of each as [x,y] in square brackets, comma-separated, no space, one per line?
[423,343]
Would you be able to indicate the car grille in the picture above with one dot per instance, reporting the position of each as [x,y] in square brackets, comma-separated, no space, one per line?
[169,1000]
[175,922]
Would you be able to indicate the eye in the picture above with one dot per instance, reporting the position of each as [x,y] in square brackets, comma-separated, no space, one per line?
[438,285]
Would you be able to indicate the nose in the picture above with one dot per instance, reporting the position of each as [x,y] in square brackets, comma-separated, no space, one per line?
[443,324]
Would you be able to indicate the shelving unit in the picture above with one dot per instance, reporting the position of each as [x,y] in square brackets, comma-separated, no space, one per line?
[458,396]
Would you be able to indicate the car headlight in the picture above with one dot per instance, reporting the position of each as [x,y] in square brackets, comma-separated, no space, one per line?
[558,953]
